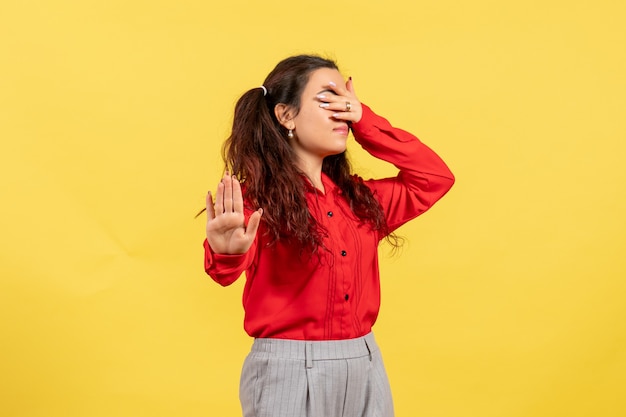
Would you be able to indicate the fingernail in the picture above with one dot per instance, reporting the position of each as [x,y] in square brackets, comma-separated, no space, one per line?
[332,84]
[324,105]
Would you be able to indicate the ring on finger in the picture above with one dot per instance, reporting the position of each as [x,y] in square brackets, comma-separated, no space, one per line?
[348,106]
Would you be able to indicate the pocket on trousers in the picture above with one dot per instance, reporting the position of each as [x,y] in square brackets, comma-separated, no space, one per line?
[250,385]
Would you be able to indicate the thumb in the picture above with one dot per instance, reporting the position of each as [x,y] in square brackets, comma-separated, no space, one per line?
[253,222]
[349,85]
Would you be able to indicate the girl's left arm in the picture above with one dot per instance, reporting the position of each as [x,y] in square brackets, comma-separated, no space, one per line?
[423,178]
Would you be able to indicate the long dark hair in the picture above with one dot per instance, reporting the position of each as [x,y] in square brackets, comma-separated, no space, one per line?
[259,154]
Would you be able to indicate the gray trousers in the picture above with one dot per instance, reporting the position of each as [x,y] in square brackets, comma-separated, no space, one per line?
[293,378]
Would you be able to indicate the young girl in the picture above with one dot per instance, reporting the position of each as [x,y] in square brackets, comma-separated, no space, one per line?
[305,230]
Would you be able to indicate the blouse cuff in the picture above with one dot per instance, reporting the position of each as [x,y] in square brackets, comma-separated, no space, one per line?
[226,262]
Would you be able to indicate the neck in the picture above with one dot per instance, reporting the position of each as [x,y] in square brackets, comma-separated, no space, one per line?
[313,171]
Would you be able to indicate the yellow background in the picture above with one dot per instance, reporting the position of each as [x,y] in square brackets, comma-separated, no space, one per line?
[509,298]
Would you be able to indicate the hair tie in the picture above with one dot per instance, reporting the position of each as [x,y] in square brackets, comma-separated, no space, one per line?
[264,90]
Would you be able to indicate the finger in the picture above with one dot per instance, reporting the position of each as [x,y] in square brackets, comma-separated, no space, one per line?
[237,196]
[228,193]
[348,116]
[219,199]
[210,210]
[253,223]
[350,86]
[337,89]
[340,104]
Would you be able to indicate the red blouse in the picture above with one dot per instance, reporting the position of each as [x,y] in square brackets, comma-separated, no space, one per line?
[336,294]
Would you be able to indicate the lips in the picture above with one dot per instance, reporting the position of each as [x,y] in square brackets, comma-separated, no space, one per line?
[342,130]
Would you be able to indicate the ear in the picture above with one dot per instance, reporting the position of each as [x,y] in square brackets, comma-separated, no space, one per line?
[284,115]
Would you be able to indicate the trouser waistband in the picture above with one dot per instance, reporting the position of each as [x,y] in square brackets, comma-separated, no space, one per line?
[314,350]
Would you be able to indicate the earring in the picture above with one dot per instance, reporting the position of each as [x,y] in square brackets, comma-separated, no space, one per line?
[290,134]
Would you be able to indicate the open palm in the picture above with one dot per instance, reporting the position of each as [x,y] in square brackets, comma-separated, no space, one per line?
[226,230]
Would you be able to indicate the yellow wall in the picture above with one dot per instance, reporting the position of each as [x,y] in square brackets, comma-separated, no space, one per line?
[509,298]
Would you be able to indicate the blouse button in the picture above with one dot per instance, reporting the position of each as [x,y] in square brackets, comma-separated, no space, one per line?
[329,214]
[344,253]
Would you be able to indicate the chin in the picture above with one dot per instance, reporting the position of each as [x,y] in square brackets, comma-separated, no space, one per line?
[339,151]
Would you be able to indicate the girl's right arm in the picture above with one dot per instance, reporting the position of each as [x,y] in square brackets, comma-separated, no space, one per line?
[228,239]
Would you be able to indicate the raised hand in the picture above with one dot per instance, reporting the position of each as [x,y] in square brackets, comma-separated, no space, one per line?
[226,230]
[344,102]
